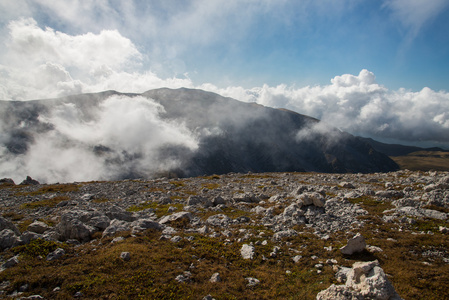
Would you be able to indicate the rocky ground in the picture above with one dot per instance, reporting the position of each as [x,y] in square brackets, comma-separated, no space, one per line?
[234,236]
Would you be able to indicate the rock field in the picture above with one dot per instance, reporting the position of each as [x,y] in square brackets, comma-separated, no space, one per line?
[359,221]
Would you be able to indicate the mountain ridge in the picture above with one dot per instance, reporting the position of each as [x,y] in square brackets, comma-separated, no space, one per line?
[186,132]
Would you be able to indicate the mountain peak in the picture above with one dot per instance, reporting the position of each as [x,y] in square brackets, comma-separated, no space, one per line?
[184,131]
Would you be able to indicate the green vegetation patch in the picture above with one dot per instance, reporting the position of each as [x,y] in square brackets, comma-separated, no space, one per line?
[38,247]
[55,188]
[13,216]
[210,185]
[51,202]
[373,206]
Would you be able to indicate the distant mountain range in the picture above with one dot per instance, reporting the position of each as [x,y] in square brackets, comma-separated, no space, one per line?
[181,132]
[397,149]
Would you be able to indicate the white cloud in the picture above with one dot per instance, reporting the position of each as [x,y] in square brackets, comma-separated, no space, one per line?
[414,14]
[359,105]
[128,131]
[44,63]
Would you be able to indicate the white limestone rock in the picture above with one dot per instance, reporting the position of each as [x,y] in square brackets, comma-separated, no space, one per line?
[247,251]
[215,278]
[252,281]
[176,217]
[38,227]
[365,280]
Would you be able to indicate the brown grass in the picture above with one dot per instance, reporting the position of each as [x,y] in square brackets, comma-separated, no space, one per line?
[424,161]
[55,188]
[51,202]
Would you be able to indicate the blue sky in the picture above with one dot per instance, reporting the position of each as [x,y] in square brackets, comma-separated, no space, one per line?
[251,43]
[348,62]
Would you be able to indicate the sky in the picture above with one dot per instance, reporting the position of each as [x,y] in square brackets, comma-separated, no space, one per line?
[375,68]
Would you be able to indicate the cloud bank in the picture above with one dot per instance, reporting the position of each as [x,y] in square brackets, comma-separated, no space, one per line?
[121,137]
[361,106]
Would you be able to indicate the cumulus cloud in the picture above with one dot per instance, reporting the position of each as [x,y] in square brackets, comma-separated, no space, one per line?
[359,105]
[122,136]
[44,63]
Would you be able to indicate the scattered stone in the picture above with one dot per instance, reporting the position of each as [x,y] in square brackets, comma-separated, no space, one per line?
[284,234]
[144,224]
[218,201]
[183,215]
[296,258]
[275,251]
[10,262]
[176,239]
[33,297]
[374,249]
[247,251]
[208,297]
[184,277]
[246,198]
[215,278]
[117,239]
[346,185]
[57,254]
[78,295]
[29,181]
[220,220]
[38,227]
[198,200]
[6,224]
[126,256]
[252,281]
[8,239]
[354,245]
[24,288]
[114,227]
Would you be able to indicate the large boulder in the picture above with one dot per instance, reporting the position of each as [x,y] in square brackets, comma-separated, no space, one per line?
[6,224]
[354,245]
[74,225]
[199,200]
[115,212]
[246,198]
[182,215]
[116,226]
[310,198]
[293,214]
[144,224]
[365,280]
[8,239]
[219,220]
[38,227]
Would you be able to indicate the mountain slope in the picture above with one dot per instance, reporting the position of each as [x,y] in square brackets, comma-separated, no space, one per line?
[111,135]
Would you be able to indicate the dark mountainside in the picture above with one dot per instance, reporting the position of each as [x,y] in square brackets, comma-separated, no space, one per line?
[232,136]
[261,139]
